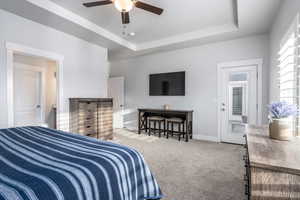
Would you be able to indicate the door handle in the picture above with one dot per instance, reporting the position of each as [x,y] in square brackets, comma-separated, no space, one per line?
[38,106]
[223,109]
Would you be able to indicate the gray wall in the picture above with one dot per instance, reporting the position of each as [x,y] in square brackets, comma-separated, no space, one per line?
[85,69]
[200,64]
[283,20]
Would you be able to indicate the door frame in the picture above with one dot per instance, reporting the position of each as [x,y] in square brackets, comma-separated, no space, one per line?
[12,48]
[43,85]
[108,88]
[240,63]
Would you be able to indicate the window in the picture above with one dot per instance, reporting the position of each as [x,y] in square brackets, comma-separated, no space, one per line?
[237,101]
[289,68]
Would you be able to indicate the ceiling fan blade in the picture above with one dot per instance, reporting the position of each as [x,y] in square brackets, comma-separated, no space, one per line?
[97,3]
[149,7]
[125,17]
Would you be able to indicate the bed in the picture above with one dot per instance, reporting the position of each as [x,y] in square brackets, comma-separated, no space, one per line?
[38,163]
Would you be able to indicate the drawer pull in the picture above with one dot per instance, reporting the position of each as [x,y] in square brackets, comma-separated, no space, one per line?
[246,189]
[88,126]
[88,118]
[246,177]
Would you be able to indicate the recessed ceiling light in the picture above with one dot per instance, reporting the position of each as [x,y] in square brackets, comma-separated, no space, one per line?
[132,34]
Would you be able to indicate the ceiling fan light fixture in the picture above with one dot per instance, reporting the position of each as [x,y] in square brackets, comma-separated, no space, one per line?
[123,5]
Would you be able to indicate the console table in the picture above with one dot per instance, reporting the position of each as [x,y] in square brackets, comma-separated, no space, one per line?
[187,115]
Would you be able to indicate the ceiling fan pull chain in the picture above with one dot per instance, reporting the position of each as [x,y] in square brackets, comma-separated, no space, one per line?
[124,33]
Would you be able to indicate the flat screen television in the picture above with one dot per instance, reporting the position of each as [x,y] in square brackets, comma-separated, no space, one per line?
[167,84]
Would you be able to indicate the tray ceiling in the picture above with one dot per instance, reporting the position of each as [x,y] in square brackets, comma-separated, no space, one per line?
[183,24]
[179,17]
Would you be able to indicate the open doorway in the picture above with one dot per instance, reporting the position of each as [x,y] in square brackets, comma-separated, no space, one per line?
[35,94]
[61,117]
[116,91]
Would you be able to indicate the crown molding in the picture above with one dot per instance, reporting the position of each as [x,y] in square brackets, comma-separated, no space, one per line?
[212,31]
[64,13]
[67,14]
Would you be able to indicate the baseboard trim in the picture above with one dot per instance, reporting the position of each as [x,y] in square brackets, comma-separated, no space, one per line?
[195,137]
[130,129]
[206,138]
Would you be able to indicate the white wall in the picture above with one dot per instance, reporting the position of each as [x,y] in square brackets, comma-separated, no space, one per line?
[85,69]
[285,17]
[200,64]
[50,82]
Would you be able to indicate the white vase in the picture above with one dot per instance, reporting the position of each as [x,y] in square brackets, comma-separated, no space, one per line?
[281,129]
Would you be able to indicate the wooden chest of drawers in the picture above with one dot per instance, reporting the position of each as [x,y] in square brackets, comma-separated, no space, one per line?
[272,166]
[92,117]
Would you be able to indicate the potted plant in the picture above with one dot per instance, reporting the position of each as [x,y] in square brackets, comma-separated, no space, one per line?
[281,120]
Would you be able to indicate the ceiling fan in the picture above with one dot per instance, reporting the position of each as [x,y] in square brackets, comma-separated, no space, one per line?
[124,6]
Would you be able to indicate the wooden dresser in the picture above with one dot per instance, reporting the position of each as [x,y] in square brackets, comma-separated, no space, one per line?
[92,117]
[272,166]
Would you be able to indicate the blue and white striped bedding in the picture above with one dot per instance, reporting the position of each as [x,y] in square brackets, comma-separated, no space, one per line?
[43,164]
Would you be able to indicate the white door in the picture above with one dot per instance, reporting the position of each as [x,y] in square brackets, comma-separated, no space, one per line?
[27,96]
[116,91]
[238,102]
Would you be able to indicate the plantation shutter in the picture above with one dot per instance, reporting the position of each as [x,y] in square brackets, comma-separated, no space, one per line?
[289,68]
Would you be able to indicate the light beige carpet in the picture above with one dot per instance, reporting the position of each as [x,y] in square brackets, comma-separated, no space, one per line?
[196,170]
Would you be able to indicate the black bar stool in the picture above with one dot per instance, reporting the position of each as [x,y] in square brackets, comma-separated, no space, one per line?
[180,123]
[154,121]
